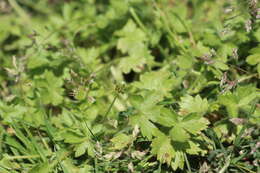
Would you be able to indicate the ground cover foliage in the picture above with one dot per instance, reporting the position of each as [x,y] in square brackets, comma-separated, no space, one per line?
[129,86]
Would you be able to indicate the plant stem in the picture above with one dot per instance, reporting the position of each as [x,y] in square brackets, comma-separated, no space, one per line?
[110,107]
[225,167]
[19,11]
[22,157]
[242,167]
[187,163]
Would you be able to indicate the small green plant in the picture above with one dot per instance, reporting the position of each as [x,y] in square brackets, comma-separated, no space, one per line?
[129,86]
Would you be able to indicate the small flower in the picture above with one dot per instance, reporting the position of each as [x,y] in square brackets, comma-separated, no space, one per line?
[207,58]
[257,12]
[255,148]
[248,132]
[135,131]
[241,152]
[99,149]
[185,84]
[138,154]
[252,2]
[109,156]
[237,121]
[14,61]
[10,131]
[255,162]
[228,10]
[131,167]
[234,52]
[213,52]
[117,154]
[224,32]
[248,25]
[253,8]
[113,155]
[223,79]
[91,99]
[228,85]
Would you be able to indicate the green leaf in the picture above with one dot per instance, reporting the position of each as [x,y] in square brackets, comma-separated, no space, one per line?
[147,105]
[9,112]
[161,81]
[194,123]
[146,111]
[220,65]
[38,60]
[72,137]
[80,149]
[132,39]
[167,117]
[121,7]
[132,63]
[90,57]
[150,101]
[258,69]
[191,104]
[194,148]
[245,95]
[6,164]
[120,141]
[240,98]
[50,88]
[148,129]
[68,166]
[178,160]
[185,61]
[253,59]
[83,147]
[230,101]
[136,100]
[177,133]
[200,50]
[247,99]
[161,146]
[41,168]
[81,93]
[16,144]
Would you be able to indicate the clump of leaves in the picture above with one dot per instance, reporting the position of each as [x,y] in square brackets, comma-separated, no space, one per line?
[129,86]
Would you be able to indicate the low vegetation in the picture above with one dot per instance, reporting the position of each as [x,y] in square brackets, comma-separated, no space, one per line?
[129,86]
